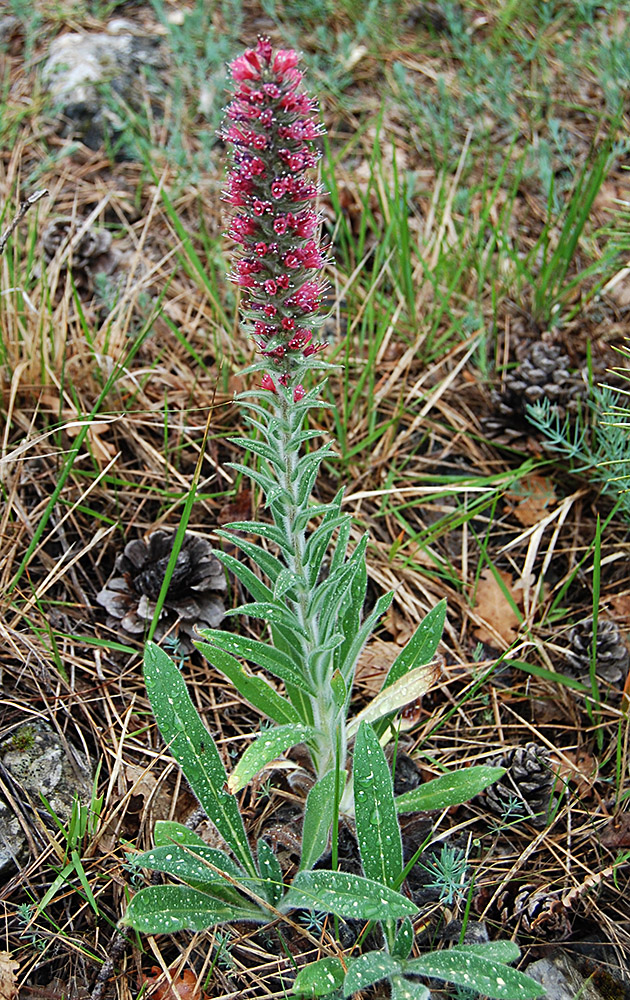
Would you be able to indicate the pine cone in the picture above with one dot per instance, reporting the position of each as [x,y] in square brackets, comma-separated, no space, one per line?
[193,597]
[543,372]
[525,788]
[611,652]
[536,910]
[92,254]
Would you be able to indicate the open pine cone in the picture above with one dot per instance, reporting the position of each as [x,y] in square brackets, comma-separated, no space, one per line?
[525,788]
[536,910]
[92,254]
[542,373]
[611,652]
[193,597]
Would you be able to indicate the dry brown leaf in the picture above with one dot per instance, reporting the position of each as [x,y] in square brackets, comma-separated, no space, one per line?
[531,499]
[8,968]
[579,767]
[620,605]
[185,986]
[373,665]
[497,615]
[399,626]
[616,834]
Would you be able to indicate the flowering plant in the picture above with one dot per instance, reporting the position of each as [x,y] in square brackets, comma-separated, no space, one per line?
[313,606]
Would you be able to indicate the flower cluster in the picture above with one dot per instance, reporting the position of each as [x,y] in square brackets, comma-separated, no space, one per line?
[271,125]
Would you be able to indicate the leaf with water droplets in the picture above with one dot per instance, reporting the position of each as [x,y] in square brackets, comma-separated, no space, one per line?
[274,660]
[404,940]
[254,689]
[163,909]
[369,969]
[192,864]
[378,831]
[465,968]
[496,951]
[407,989]
[271,873]
[194,749]
[266,748]
[318,818]
[449,789]
[167,832]
[346,896]
[319,978]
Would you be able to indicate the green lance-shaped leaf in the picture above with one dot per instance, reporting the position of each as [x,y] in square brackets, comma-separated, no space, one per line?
[349,656]
[465,968]
[261,653]
[271,873]
[449,789]
[318,818]
[346,896]
[194,749]
[407,989]
[194,864]
[422,646]
[421,649]
[496,951]
[271,489]
[266,748]
[319,979]
[404,940]
[269,531]
[271,612]
[369,969]
[255,690]
[259,557]
[166,833]
[287,580]
[164,909]
[257,447]
[378,831]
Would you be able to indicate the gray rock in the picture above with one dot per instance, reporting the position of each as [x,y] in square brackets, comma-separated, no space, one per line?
[81,69]
[561,978]
[37,760]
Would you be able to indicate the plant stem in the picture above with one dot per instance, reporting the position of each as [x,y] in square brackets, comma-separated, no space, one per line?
[329,719]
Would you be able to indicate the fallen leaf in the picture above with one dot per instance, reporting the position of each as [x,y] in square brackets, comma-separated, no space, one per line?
[8,968]
[531,499]
[184,987]
[373,665]
[579,767]
[496,614]
[616,834]
[620,606]
[399,626]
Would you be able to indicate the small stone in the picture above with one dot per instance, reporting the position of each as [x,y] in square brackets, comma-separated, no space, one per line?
[81,67]
[37,760]
[561,979]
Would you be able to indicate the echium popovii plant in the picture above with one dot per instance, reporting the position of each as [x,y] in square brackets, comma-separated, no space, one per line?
[315,619]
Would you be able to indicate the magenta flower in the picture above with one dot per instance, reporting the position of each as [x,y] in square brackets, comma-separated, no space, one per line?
[271,126]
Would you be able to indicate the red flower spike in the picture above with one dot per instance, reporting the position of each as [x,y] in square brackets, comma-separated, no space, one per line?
[271,125]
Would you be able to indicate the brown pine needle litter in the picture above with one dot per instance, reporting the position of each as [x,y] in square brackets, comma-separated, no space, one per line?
[462,149]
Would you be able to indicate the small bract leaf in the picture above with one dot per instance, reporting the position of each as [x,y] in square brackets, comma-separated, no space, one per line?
[319,978]
[369,969]
[266,748]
